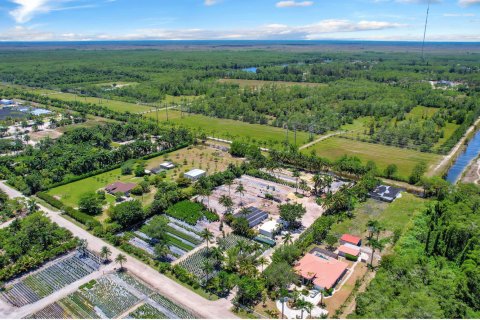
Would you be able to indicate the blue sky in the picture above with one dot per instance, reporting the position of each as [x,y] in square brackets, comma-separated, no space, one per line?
[453,20]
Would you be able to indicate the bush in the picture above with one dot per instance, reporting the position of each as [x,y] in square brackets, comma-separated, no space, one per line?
[190,212]
[81,217]
[350,257]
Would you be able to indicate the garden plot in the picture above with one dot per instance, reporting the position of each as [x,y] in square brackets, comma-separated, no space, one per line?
[255,195]
[54,277]
[194,263]
[112,296]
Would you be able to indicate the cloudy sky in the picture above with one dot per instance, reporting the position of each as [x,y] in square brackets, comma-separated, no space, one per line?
[41,20]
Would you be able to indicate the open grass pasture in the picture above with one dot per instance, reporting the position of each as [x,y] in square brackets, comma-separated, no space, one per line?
[231,129]
[335,147]
[392,216]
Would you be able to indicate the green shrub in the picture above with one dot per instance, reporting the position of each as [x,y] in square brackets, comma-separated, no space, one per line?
[190,212]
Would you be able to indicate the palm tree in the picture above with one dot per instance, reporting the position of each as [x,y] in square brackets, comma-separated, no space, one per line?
[375,245]
[303,186]
[308,306]
[105,254]
[229,183]
[301,305]
[317,181]
[328,182]
[287,238]
[262,261]
[121,259]
[296,175]
[207,235]
[372,226]
[227,202]
[241,191]
[162,250]
[207,269]
[82,246]
[31,206]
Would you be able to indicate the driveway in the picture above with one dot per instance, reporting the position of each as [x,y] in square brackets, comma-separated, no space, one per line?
[219,309]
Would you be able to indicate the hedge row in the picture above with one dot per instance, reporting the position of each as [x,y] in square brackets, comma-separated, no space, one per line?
[81,217]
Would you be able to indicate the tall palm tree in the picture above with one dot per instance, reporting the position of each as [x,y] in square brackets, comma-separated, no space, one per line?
[241,191]
[105,254]
[227,202]
[207,269]
[287,238]
[121,259]
[308,306]
[296,175]
[229,183]
[82,246]
[262,261]
[207,235]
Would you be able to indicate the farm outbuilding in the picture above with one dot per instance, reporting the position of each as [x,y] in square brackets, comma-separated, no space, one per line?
[348,249]
[348,238]
[120,187]
[167,165]
[270,228]
[253,215]
[385,193]
[195,174]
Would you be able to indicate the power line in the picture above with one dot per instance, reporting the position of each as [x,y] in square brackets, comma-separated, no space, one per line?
[425,31]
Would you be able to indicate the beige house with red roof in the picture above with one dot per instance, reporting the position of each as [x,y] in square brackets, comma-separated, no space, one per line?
[323,272]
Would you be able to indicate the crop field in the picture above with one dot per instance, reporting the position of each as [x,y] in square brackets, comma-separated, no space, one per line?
[54,277]
[194,263]
[232,129]
[114,296]
[333,148]
[260,83]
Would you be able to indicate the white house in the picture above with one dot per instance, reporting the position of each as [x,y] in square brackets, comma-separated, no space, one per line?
[195,174]
[270,228]
[167,165]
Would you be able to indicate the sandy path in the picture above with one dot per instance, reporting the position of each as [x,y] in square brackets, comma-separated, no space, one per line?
[219,309]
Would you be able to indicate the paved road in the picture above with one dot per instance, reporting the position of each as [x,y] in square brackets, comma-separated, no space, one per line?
[219,309]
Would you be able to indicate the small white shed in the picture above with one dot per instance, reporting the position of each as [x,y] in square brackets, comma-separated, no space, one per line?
[195,174]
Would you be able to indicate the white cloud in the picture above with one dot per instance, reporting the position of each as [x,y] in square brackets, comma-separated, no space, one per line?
[466,3]
[211,2]
[291,3]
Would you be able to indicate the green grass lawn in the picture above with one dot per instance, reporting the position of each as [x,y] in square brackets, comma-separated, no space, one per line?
[406,159]
[71,193]
[231,129]
[419,111]
[392,216]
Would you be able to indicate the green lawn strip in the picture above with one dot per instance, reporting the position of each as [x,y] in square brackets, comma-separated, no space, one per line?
[183,235]
[335,147]
[178,243]
[231,129]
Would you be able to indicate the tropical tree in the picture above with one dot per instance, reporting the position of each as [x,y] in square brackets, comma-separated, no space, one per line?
[330,240]
[82,246]
[227,202]
[296,175]
[287,238]
[162,250]
[105,254]
[241,191]
[121,259]
[262,261]
[207,235]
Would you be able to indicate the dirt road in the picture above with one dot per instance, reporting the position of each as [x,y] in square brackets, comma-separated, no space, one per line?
[219,309]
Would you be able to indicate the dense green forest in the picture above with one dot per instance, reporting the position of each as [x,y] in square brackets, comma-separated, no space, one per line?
[434,271]
[82,151]
[29,242]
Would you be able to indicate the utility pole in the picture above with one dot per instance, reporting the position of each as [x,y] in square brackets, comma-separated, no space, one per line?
[425,31]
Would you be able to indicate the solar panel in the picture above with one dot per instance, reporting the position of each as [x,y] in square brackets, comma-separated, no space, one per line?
[254,217]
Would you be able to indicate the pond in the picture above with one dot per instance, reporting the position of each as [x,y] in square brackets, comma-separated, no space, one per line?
[471,152]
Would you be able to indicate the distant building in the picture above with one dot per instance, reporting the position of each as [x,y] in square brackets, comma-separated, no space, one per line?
[348,238]
[270,228]
[323,272]
[167,165]
[195,174]
[385,193]
[40,112]
[6,102]
[120,187]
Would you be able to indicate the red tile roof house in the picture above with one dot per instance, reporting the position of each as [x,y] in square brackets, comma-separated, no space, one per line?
[348,249]
[120,187]
[323,273]
[348,238]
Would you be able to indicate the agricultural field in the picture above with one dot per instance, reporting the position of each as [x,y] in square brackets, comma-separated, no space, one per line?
[190,212]
[260,83]
[335,147]
[181,238]
[53,277]
[114,296]
[195,262]
[237,130]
